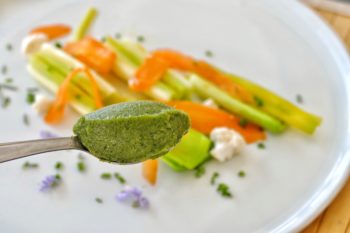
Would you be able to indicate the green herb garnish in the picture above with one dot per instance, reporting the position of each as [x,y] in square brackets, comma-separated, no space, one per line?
[200,171]
[81,166]
[118,35]
[32,89]
[8,87]
[259,102]
[4,69]
[98,200]
[8,80]
[29,165]
[58,45]
[243,122]
[5,102]
[214,177]
[261,145]
[300,99]
[140,39]
[58,165]
[106,176]
[9,47]
[30,97]
[241,174]
[209,53]
[119,178]
[25,119]
[224,190]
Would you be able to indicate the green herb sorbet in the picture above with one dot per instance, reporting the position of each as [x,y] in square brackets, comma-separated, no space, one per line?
[132,132]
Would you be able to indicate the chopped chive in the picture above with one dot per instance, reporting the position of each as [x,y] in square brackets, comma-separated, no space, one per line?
[261,145]
[119,178]
[258,101]
[30,98]
[25,119]
[4,69]
[8,87]
[103,38]
[58,45]
[58,165]
[214,177]
[200,171]
[81,166]
[140,39]
[78,97]
[209,53]
[32,89]
[118,35]
[243,122]
[99,200]
[8,80]
[106,176]
[9,47]
[300,99]
[29,165]
[224,190]
[241,174]
[6,102]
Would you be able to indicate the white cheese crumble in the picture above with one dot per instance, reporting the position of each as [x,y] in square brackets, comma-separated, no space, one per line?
[32,43]
[227,143]
[210,103]
[41,104]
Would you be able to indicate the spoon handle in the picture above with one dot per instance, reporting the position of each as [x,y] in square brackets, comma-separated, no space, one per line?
[16,150]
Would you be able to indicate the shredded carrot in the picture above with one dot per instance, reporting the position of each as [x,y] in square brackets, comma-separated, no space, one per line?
[149,73]
[56,111]
[150,170]
[53,31]
[205,119]
[152,72]
[93,53]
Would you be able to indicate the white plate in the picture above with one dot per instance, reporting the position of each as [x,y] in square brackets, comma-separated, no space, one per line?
[279,44]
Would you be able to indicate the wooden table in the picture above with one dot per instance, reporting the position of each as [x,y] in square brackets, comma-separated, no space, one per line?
[336,218]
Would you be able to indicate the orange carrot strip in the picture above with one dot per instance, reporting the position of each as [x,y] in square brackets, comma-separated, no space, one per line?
[56,111]
[205,119]
[150,170]
[53,31]
[149,73]
[183,62]
[93,53]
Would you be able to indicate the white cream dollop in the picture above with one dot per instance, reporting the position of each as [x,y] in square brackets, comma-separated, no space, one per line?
[42,104]
[227,143]
[32,43]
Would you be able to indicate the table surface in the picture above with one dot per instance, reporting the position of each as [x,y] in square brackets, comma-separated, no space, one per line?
[336,217]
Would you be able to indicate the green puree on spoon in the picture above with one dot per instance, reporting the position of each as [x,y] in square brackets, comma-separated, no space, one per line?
[131,132]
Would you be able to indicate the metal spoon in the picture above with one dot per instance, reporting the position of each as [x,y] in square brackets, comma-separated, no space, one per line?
[15,150]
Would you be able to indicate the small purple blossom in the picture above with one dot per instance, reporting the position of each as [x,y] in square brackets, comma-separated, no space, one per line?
[133,195]
[44,134]
[50,182]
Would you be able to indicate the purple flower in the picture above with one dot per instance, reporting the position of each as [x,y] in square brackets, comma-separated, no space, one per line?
[50,182]
[133,195]
[44,134]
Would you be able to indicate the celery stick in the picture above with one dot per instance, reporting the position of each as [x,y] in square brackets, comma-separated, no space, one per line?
[133,51]
[56,78]
[85,24]
[172,164]
[206,89]
[74,63]
[281,108]
[192,151]
[49,84]
[125,69]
